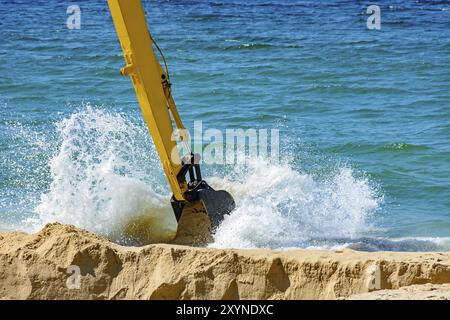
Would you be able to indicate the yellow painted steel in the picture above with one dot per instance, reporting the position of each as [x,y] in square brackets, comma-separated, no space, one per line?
[151,85]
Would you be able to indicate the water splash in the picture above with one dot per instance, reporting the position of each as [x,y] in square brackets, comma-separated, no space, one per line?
[279,207]
[106,177]
[99,170]
[103,177]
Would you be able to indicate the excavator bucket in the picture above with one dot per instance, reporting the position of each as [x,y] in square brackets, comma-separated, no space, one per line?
[217,204]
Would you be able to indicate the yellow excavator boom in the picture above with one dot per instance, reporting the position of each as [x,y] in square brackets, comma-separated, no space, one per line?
[153,89]
[148,78]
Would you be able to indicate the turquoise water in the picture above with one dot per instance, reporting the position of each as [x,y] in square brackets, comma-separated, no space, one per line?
[364,118]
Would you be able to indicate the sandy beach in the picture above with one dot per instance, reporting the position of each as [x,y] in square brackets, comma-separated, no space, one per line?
[35,266]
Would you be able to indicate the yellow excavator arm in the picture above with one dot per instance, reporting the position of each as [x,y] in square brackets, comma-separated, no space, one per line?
[153,89]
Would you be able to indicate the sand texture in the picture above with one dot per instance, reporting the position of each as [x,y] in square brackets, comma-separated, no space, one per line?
[35,266]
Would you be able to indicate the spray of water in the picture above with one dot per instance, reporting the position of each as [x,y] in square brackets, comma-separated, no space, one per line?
[104,177]
[105,173]
[99,170]
[279,207]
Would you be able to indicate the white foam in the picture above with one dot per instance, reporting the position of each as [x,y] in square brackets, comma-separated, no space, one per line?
[278,207]
[98,178]
[106,173]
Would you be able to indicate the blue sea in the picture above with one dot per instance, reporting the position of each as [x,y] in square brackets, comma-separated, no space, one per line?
[363,117]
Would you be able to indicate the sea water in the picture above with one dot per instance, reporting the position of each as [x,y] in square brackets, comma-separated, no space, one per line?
[363,116]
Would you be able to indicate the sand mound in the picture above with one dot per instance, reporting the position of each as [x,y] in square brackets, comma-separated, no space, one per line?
[36,267]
